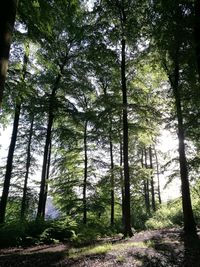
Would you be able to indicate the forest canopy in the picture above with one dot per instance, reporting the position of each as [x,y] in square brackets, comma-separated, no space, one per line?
[89,88]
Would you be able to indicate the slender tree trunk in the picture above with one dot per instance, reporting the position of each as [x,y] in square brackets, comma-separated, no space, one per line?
[41,203]
[24,197]
[28,162]
[85,175]
[7,19]
[189,223]
[158,176]
[122,181]
[6,185]
[197,33]
[147,184]
[112,183]
[41,207]
[146,196]
[47,179]
[127,212]
[152,180]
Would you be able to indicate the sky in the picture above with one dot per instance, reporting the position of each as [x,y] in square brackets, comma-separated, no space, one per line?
[169,144]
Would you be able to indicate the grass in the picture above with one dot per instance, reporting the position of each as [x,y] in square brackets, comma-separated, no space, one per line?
[86,251]
[105,248]
[121,259]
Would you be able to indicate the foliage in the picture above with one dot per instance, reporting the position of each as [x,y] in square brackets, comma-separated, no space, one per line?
[167,216]
[28,233]
[65,62]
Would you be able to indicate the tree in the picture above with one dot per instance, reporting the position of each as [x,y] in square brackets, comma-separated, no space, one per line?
[7,19]
[196,33]
[172,46]
[6,185]
[28,162]
[189,223]
[9,164]
[67,32]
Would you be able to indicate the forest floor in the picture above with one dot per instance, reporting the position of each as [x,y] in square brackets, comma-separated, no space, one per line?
[156,248]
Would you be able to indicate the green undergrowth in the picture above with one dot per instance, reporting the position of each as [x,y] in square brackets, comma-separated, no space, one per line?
[167,216]
[170,215]
[37,232]
[105,248]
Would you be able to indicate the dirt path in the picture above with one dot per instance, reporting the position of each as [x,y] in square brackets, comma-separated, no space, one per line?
[148,249]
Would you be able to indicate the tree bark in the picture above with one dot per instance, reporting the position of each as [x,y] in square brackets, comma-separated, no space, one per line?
[112,182]
[127,212]
[7,19]
[148,206]
[28,162]
[47,179]
[85,175]
[112,197]
[122,181]
[6,185]
[41,206]
[41,203]
[188,217]
[40,213]
[152,180]
[146,195]
[197,33]
[158,176]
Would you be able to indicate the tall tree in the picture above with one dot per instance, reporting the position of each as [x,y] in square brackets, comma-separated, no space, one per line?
[196,33]
[67,31]
[158,175]
[189,223]
[6,185]
[85,174]
[172,46]
[152,179]
[28,162]
[9,164]
[8,10]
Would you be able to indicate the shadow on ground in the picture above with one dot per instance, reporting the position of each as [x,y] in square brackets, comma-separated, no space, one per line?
[172,248]
[41,259]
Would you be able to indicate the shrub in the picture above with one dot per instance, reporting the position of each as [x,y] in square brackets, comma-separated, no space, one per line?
[12,234]
[168,215]
[35,232]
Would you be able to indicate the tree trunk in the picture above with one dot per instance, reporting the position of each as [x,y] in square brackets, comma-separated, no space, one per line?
[189,223]
[112,197]
[41,203]
[147,184]
[6,184]
[152,180]
[127,212]
[28,162]
[47,179]
[158,176]
[24,197]
[146,195]
[122,181]
[85,175]
[7,19]
[197,33]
